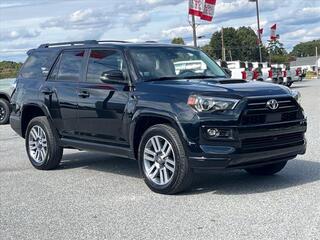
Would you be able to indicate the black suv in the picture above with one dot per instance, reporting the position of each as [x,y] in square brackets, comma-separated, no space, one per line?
[169,106]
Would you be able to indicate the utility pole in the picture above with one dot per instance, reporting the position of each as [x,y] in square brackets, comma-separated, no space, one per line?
[258,22]
[222,46]
[193,25]
[317,67]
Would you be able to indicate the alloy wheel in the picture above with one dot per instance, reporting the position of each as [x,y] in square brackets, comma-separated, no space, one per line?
[2,113]
[38,147]
[159,160]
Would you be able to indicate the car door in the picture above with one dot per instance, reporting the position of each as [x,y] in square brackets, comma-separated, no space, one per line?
[61,90]
[103,97]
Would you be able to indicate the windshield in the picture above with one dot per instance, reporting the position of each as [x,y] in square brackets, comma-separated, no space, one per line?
[156,63]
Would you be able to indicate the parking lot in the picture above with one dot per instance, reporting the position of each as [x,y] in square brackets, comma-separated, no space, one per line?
[95,196]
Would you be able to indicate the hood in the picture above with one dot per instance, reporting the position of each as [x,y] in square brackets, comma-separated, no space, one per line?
[220,87]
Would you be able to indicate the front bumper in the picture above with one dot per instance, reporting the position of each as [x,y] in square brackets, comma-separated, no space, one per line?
[265,145]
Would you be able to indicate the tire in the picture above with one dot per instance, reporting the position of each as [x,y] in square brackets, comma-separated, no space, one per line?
[267,169]
[175,177]
[289,84]
[49,152]
[4,111]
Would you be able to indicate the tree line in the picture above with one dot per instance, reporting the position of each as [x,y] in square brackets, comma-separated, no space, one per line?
[241,44]
[9,69]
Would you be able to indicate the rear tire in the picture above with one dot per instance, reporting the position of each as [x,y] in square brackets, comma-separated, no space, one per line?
[4,111]
[163,161]
[267,169]
[42,145]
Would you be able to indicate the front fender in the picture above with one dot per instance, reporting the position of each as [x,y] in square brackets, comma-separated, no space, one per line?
[145,112]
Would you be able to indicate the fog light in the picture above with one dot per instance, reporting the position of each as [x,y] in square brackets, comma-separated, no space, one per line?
[213,132]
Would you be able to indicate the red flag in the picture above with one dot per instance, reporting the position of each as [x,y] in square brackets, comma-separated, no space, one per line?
[260,31]
[273,35]
[208,10]
[196,7]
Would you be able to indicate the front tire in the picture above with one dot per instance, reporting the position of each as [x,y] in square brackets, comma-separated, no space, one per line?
[163,161]
[4,111]
[266,170]
[42,145]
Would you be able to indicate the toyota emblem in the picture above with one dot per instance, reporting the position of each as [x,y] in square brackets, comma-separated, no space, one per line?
[273,104]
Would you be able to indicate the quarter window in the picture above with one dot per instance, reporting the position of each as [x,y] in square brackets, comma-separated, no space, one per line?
[38,65]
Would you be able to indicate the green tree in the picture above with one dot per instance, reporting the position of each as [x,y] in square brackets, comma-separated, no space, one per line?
[240,44]
[9,69]
[305,49]
[275,47]
[178,40]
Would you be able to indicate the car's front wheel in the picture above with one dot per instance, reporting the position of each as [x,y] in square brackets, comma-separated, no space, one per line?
[42,145]
[267,169]
[163,161]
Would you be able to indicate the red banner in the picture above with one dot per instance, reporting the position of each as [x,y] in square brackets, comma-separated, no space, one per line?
[208,10]
[196,7]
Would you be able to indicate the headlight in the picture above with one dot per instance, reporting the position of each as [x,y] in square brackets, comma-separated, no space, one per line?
[211,104]
[296,95]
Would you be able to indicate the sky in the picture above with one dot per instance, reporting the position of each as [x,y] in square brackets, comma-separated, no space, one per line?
[25,24]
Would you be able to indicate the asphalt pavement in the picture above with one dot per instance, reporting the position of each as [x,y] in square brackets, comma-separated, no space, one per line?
[95,196]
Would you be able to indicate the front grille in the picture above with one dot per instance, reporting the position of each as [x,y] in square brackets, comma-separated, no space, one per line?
[272,142]
[257,111]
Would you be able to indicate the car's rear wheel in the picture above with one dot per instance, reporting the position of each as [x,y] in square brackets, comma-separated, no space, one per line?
[42,144]
[4,111]
[267,169]
[163,161]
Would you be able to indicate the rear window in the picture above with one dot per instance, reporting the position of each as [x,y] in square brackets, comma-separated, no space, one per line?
[37,65]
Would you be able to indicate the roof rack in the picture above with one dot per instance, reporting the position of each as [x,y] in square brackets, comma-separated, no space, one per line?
[86,42]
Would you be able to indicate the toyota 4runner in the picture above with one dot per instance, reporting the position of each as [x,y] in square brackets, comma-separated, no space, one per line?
[170,107]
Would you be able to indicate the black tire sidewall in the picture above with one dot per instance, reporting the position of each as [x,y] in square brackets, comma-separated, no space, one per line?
[6,105]
[154,131]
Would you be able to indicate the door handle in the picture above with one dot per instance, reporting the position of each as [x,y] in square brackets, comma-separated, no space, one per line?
[47,91]
[84,94]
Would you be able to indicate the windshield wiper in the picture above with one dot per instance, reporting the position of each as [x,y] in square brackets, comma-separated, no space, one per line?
[162,79]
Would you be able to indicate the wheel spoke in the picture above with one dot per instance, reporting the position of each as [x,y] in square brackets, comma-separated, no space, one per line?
[34,133]
[150,152]
[171,169]
[165,173]
[148,158]
[158,144]
[155,173]
[161,177]
[154,144]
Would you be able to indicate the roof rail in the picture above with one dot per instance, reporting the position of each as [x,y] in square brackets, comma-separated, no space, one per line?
[62,44]
[111,41]
[47,45]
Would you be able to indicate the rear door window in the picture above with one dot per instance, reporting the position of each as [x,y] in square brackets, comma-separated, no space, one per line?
[37,65]
[70,65]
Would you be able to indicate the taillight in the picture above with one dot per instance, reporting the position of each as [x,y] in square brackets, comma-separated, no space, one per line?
[270,73]
[297,72]
[244,75]
[255,74]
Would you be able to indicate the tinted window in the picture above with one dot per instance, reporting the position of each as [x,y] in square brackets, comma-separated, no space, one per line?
[37,65]
[70,65]
[101,62]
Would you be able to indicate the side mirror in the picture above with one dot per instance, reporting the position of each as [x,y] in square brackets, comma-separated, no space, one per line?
[227,71]
[115,76]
